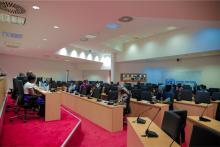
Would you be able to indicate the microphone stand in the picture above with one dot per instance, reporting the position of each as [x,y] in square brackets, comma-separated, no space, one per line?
[140,120]
[149,133]
[201,118]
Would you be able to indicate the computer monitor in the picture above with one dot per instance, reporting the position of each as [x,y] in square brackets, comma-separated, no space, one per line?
[113,96]
[185,95]
[216,96]
[86,90]
[23,79]
[97,93]
[187,87]
[136,93]
[202,97]
[53,86]
[146,95]
[211,90]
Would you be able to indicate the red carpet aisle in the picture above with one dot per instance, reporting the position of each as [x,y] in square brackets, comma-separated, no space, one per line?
[36,132]
[95,136]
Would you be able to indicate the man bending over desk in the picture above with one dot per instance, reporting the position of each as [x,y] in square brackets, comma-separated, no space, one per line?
[31,97]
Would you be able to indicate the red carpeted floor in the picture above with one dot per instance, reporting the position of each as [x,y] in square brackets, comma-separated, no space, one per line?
[36,132]
[94,136]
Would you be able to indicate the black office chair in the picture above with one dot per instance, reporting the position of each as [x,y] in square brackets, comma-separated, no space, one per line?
[216,96]
[217,115]
[185,95]
[23,104]
[183,116]
[172,125]
[146,95]
[204,137]
[13,96]
[202,97]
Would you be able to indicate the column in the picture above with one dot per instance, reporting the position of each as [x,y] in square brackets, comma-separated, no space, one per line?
[113,70]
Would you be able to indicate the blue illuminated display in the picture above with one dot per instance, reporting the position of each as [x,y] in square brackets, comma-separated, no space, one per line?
[11,35]
[112,26]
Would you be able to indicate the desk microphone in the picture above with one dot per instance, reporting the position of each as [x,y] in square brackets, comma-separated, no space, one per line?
[201,118]
[141,120]
[149,133]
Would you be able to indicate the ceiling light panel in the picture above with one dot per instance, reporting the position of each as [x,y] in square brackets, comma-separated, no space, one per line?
[12,19]
[36,7]
[56,27]
[170,28]
[90,36]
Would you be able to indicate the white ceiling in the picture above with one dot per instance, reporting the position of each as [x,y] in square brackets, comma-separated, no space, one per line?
[76,19]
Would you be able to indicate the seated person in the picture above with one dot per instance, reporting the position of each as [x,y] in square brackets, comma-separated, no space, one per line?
[125,99]
[30,95]
[72,87]
[83,85]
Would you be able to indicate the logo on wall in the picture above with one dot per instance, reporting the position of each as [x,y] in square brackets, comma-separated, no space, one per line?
[11,35]
[11,40]
[173,81]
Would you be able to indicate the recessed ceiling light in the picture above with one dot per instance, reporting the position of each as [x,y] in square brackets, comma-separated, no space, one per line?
[89,36]
[44,39]
[56,27]
[112,26]
[125,19]
[36,7]
[84,39]
[170,28]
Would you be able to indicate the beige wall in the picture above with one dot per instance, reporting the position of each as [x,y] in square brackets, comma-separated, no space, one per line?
[46,68]
[97,75]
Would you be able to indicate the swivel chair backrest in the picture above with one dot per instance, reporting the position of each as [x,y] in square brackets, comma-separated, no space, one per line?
[204,136]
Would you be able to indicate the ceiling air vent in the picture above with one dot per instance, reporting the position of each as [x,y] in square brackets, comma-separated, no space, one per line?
[11,7]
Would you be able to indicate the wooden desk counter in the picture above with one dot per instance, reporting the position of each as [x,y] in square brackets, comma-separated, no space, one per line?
[109,117]
[215,105]
[134,138]
[3,92]
[194,120]
[52,104]
[139,106]
[194,109]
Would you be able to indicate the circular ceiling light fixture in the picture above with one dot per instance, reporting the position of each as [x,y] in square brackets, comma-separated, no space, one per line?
[12,7]
[125,19]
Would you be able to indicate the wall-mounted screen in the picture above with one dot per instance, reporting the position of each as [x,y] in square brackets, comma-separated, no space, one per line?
[133,77]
